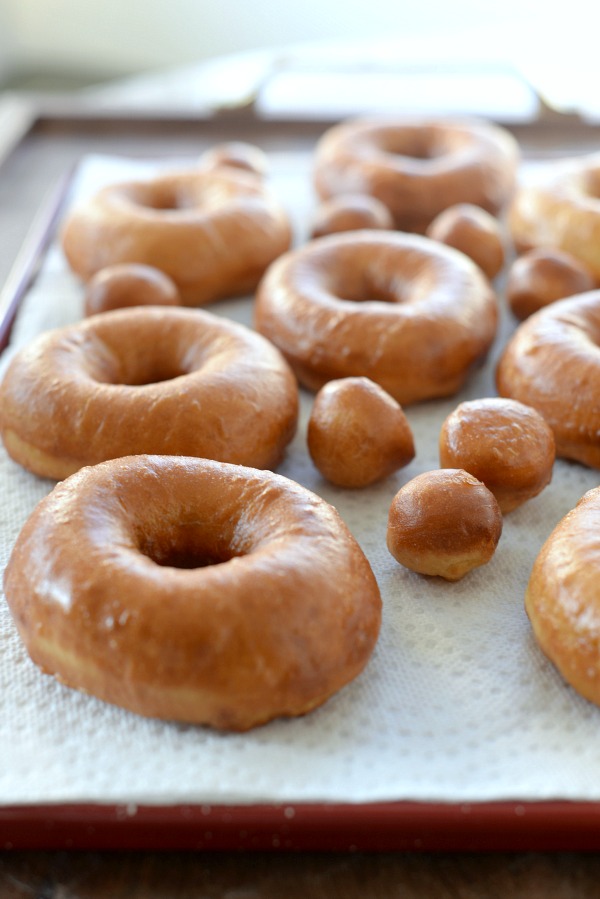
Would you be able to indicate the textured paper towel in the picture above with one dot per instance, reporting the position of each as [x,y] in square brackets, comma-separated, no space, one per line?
[457,703]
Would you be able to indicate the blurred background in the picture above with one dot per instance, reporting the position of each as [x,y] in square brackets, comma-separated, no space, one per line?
[65,44]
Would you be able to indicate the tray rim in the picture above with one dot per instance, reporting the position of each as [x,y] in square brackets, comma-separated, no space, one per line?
[405,825]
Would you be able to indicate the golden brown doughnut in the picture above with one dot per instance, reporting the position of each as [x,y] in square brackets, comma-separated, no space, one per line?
[357,433]
[147,379]
[543,276]
[351,213]
[552,363]
[503,443]
[418,168]
[561,210]
[186,589]
[474,232]
[444,523]
[562,599]
[213,231]
[407,312]
[128,284]
[238,155]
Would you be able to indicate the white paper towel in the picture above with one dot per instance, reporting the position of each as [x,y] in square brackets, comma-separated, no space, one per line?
[457,704]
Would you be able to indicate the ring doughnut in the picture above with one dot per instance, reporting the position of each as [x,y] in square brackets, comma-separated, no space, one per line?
[147,379]
[418,168]
[213,231]
[552,362]
[192,590]
[561,210]
[561,599]
[407,312]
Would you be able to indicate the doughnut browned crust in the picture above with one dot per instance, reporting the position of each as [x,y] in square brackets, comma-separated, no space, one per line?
[503,443]
[407,312]
[543,276]
[357,433]
[552,363]
[186,589]
[213,232]
[418,168]
[129,284]
[444,523]
[561,210]
[147,380]
[562,598]
[351,213]
[473,231]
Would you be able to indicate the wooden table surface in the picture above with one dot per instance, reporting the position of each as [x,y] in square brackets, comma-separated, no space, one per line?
[83,875]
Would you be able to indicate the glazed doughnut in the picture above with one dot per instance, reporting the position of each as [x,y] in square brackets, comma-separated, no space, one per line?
[192,590]
[418,168]
[350,213]
[213,231]
[159,380]
[562,597]
[357,433]
[409,313]
[238,155]
[561,210]
[503,443]
[543,276]
[444,523]
[474,232]
[119,286]
[552,363]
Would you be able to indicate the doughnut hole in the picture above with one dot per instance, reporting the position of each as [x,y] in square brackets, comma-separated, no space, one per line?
[357,433]
[129,284]
[444,523]
[543,276]
[503,443]
[351,212]
[474,232]
[237,155]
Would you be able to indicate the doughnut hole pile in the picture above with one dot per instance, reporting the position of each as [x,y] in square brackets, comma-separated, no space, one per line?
[357,433]
[543,276]
[445,523]
[505,444]
[474,232]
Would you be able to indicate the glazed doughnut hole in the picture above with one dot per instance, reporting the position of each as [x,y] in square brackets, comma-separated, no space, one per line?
[543,276]
[357,433]
[474,232]
[502,442]
[129,284]
[444,523]
[351,212]
[237,155]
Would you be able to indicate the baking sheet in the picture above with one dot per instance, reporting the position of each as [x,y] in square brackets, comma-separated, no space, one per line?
[456,706]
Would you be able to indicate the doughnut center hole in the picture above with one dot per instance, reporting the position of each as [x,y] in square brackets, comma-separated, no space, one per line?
[182,549]
[371,286]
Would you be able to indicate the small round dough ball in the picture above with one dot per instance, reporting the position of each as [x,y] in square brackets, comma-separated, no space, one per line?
[474,232]
[444,523]
[129,284]
[238,155]
[357,433]
[351,212]
[502,442]
[543,276]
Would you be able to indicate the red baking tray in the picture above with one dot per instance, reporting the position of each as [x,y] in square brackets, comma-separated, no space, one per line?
[516,825]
